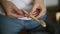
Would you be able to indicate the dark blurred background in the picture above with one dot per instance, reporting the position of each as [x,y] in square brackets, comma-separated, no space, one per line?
[53,8]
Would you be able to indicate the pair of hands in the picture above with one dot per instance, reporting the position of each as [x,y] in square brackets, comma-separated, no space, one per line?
[36,11]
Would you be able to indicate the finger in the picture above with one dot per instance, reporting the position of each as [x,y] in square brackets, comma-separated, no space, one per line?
[34,15]
[15,15]
[17,10]
[35,12]
[20,12]
[33,9]
[41,12]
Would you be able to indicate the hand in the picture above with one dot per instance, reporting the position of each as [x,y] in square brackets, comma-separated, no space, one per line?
[38,11]
[13,11]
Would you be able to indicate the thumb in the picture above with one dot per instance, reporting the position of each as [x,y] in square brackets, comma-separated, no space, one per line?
[34,8]
[15,8]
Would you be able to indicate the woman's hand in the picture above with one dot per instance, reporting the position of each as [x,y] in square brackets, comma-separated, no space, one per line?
[37,10]
[12,11]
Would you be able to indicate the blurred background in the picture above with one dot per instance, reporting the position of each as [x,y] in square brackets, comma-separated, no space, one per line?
[53,11]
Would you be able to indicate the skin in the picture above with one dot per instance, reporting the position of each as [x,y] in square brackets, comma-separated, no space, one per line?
[39,5]
[9,8]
